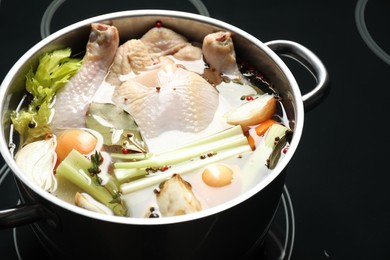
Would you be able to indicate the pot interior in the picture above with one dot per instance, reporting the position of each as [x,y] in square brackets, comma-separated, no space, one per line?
[133,24]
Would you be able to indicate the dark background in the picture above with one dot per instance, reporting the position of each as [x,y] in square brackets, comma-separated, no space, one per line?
[338,177]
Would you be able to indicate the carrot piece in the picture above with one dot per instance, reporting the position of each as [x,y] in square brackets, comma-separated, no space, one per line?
[263,127]
[251,142]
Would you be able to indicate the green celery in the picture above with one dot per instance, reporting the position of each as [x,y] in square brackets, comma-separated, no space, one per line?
[263,151]
[182,169]
[188,152]
[124,174]
[53,72]
[127,170]
[75,167]
[233,131]
[184,154]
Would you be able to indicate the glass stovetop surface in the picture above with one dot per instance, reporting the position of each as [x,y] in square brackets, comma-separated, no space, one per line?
[337,181]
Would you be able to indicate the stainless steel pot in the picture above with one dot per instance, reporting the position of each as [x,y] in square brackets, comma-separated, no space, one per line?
[232,229]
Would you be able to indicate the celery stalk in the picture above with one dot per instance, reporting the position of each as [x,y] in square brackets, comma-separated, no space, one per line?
[275,131]
[180,155]
[75,169]
[127,170]
[131,156]
[185,168]
[53,72]
[223,140]
[259,158]
[123,174]
[230,132]
[266,147]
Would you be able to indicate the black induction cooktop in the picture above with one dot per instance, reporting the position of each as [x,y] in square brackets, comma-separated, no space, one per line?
[335,203]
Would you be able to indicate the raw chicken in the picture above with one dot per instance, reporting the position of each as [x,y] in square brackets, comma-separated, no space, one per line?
[218,52]
[163,41]
[176,198]
[132,56]
[168,98]
[189,53]
[72,100]
[137,55]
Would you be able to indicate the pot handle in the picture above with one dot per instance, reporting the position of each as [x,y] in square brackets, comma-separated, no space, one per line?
[27,214]
[311,62]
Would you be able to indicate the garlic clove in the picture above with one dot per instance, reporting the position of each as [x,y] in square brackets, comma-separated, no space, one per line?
[86,201]
[176,197]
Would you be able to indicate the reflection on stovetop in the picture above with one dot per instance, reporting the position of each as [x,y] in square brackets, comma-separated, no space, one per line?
[21,242]
[374,28]
[336,178]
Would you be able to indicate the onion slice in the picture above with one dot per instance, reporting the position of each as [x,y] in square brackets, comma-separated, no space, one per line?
[37,161]
[252,112]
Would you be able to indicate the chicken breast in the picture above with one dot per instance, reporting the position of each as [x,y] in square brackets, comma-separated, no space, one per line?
[176,198]
[189,53]
[71,102]
[168,98]
[162,41]
[132,56]
[138,55]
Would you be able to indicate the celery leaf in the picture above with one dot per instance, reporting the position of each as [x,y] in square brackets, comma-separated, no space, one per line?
[53,72]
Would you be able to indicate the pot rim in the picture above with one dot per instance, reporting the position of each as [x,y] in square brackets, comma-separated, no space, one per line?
[298,121]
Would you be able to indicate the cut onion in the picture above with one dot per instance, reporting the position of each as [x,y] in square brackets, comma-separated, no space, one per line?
[37,160]
[252,112]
